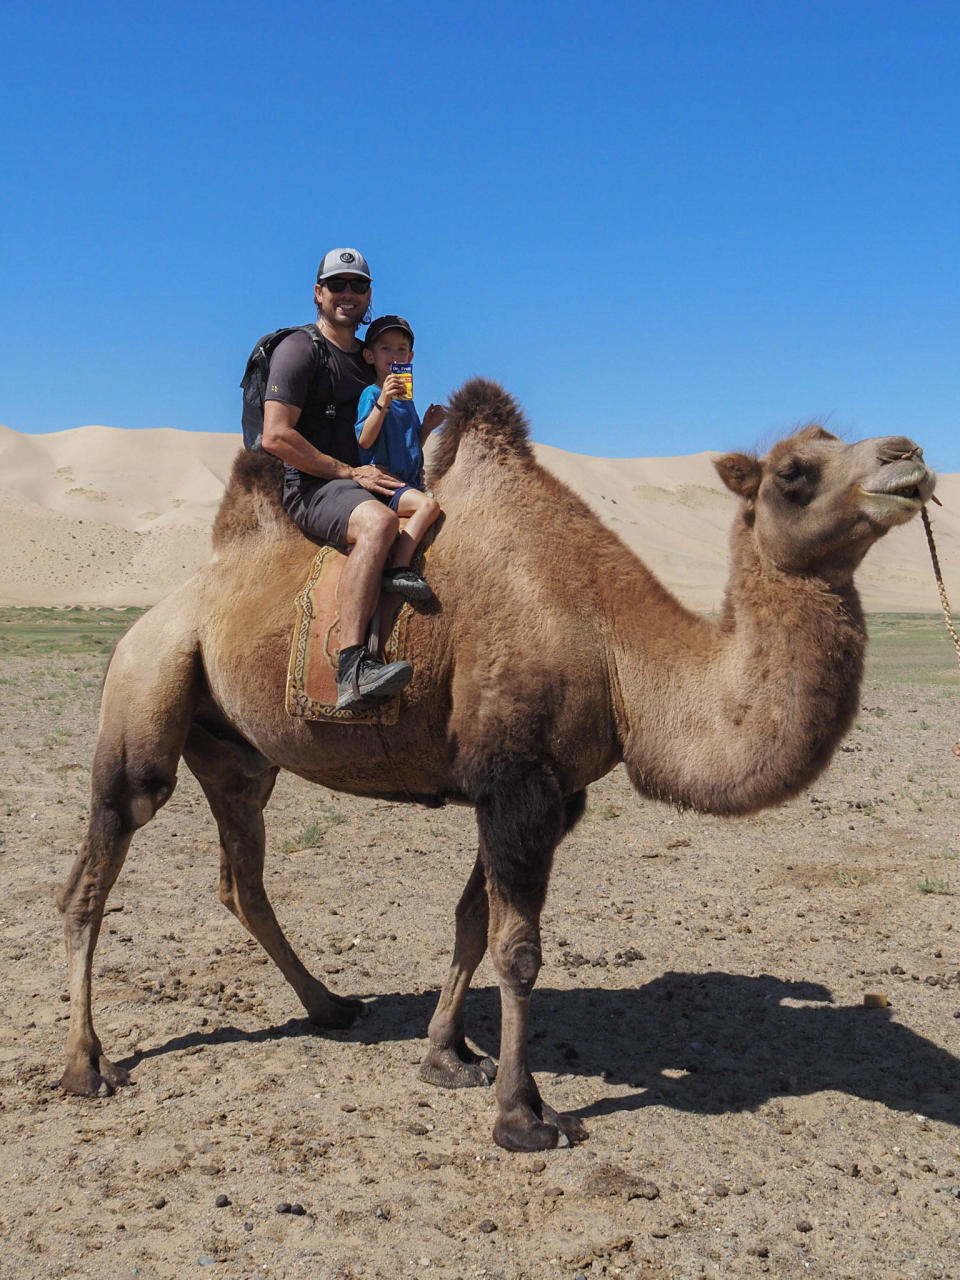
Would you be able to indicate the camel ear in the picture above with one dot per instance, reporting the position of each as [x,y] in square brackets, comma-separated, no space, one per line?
[740,473]
[816,432]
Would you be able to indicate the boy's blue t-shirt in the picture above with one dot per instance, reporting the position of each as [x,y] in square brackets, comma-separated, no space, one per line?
[397,447]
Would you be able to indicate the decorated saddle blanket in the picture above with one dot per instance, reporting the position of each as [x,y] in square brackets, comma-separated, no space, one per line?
[312,673]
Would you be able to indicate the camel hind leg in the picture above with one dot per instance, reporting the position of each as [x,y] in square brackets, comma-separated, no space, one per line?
[147,701]
[237,782]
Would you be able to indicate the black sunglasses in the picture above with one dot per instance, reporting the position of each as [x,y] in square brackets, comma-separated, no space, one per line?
[340,284]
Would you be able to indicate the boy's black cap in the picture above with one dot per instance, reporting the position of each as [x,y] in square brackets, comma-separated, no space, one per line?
[382,324]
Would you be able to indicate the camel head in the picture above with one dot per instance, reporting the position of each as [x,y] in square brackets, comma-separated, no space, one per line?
[815,505]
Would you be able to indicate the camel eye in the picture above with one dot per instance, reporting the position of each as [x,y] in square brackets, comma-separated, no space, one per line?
[796,480]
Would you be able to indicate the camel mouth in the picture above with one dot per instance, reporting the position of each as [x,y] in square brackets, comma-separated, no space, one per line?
[908,493]
[910,489]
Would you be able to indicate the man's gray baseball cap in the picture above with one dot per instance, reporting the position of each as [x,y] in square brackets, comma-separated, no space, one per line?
[343,262]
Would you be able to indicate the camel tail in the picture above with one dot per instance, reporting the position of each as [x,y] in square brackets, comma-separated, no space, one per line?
[485,411]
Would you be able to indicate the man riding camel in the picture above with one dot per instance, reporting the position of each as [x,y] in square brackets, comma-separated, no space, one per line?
[326,492]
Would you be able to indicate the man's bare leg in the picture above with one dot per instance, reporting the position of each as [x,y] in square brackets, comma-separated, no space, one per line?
[361,676]
[371,531]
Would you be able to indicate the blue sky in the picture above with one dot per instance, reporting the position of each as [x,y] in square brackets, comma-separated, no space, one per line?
[665,227]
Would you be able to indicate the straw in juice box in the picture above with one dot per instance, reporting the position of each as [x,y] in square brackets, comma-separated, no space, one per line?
[405,373]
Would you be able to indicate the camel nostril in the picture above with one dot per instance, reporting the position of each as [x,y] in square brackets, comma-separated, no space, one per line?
[898,449]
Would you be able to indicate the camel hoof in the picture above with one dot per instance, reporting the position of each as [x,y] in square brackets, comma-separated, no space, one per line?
[519,1133]
[116,1077]
[84,1082]
[569,1126]
[335,1013]
[451,1070]
[523,1130]
[89,1081]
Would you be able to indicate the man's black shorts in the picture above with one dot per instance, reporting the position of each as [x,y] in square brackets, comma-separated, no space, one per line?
[322,508]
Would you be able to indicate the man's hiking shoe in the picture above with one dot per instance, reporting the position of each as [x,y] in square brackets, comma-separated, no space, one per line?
[407,583]
[361,679]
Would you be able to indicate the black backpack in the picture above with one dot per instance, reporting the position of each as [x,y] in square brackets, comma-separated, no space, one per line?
[254,380]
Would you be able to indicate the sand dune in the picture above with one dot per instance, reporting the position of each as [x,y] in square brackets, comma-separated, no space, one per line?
[106,516]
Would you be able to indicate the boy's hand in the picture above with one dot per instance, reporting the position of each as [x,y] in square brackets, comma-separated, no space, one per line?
[434,416]
[392,387]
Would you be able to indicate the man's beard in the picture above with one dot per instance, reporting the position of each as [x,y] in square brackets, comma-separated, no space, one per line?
[367,316]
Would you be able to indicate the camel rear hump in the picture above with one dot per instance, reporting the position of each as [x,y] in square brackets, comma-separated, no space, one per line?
[485,411]
[251,501]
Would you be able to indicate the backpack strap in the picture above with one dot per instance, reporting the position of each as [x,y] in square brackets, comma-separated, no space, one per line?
[322,356]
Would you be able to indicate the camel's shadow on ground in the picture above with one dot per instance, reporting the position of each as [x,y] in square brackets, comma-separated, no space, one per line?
[708,1043]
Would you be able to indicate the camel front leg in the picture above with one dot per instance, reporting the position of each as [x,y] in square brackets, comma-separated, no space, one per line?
[449,1061]
[524,1121]
[521,817]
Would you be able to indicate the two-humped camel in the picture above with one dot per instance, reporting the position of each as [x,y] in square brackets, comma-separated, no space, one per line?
[553,654]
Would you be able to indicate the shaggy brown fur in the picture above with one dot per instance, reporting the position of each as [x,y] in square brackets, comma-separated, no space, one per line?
[488,412]
[551,655]
[251,503]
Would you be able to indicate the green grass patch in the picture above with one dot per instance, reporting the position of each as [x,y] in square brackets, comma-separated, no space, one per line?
[32,632]
[934,884]
[313,831]
[853,879]
[911,648]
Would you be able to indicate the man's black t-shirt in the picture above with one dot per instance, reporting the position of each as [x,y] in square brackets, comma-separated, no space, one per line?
[292,380]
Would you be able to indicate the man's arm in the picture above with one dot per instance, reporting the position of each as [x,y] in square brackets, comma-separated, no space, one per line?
[284,441]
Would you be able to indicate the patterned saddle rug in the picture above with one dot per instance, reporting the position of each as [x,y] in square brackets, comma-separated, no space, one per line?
[312,673]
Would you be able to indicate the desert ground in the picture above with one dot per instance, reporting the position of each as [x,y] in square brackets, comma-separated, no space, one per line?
[757,1020]
[701,1008]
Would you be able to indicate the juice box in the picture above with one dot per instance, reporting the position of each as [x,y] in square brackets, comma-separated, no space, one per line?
[405,372]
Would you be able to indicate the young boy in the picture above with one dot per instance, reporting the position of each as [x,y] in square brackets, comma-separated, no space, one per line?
[390,434]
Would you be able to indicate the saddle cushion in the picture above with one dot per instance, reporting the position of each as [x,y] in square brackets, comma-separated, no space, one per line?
[312,673]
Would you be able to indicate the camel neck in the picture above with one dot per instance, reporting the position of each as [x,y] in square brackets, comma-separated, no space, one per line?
[729,715]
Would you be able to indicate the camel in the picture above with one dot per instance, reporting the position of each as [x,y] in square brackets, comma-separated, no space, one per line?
[551,655]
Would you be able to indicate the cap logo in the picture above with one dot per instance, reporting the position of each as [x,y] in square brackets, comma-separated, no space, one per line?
[347,257]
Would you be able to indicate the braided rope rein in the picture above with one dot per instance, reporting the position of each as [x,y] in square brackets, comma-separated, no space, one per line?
[944,602]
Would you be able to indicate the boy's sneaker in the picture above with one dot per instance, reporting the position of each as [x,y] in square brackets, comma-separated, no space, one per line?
[361,679]
[407,583]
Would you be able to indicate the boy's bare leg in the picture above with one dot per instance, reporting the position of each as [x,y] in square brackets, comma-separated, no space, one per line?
[420,511]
